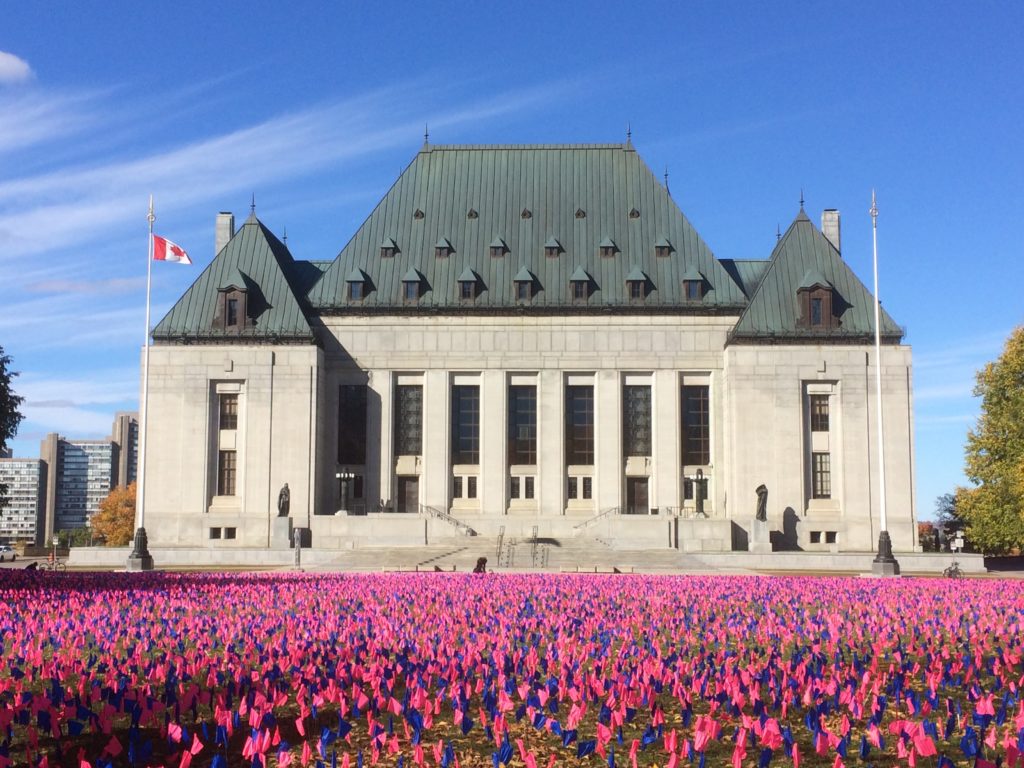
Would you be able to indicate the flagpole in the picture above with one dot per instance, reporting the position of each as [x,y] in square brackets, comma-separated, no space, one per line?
[140,559]
[885,563]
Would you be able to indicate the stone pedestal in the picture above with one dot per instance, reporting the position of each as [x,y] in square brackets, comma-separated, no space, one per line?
[140,559]
[281,533]
[884,563]
[760,536]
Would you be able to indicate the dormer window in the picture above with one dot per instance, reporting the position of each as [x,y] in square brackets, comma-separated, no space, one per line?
[524,282]
[232,303]
[636,284]
[579,285]
[815,299]
[693,285]
[663,248]
[388,248]
[469,284]
[607,248]
[443,249]
[498,248]
[552,248]
[412,285]
[358,285]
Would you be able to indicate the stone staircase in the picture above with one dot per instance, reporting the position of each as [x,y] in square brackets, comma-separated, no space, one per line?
[506,553]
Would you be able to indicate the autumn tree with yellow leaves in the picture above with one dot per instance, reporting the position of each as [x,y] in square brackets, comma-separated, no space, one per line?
[115,519]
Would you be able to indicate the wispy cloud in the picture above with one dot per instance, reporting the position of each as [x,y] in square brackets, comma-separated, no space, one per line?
[13,69]
[52,210]
[110,285]
[78,406]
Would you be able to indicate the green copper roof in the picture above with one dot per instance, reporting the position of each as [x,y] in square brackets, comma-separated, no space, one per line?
[812,278]
[468,276]
[579,275]
[524,276]
[774,309]
[636,274]
[529,196]
[273,282]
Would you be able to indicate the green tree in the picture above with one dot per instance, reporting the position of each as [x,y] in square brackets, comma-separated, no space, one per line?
[994,508]
[10,416]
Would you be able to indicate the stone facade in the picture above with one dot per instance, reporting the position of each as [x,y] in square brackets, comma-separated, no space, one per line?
[644,424]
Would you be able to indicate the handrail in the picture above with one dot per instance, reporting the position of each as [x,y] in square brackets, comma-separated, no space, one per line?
[440,514]
[591,520]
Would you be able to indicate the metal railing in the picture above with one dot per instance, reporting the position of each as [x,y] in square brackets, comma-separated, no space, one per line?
[464,528]
[591,520]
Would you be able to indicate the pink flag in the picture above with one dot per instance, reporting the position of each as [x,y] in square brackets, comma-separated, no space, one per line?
[165,250]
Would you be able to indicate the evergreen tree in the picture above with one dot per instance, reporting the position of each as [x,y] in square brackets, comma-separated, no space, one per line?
[994,508]
[10,416]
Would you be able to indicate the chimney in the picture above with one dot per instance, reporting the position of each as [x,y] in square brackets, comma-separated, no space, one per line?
[225,230]
[830,226]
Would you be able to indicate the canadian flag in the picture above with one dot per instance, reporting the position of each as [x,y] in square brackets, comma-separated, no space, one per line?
[165,250]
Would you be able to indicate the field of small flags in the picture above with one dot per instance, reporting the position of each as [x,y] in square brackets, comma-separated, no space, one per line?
[461,670]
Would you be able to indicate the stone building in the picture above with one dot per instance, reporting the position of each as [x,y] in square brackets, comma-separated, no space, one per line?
[527,340]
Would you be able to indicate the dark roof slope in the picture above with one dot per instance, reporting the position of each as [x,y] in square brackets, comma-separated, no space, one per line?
[524,197]
[804,257]
[273,280]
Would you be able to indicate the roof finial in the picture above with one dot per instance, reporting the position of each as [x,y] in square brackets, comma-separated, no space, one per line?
[629,133]
[874,211]
[426,133]
[285,238]
[778,233]
[666,182]
[252,205]
[801,198]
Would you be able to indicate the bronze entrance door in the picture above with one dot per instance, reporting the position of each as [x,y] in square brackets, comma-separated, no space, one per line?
[408,494]
[636,496]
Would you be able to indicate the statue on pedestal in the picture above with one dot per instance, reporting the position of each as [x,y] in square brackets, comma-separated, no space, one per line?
[700,492]
[284,500]
[762,503]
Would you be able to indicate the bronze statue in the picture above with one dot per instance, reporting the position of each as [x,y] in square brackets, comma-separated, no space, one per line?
[284,499]
[762,503]
[700,492]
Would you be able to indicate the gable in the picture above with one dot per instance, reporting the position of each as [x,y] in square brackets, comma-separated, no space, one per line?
[271,279]
[804,259]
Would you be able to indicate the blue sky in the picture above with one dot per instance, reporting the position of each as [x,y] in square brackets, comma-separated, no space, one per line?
[316,110]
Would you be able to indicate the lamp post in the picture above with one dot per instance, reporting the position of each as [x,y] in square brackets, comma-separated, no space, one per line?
[884,564]
[53,555]
[344,477]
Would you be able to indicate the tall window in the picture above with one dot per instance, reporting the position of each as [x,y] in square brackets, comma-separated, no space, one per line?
[232,315]
[821,476]
[522,424]
[352,424]
[815,311]
[579,425]
[819,413]
[636,420]
[226,473]
[408,419]
[228,411]
[696,425]
[465,424]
